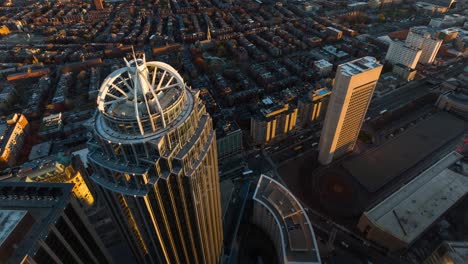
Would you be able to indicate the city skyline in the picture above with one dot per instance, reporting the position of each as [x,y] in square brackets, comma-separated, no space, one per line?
[234,131]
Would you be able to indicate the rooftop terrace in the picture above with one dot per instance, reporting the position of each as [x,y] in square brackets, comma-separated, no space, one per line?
[299,244]
[359,66]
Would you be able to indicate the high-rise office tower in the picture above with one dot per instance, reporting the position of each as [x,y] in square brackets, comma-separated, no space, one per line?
[43,223]
[352,92]
[407,55]
[404,58]
[312,106]
[424,39]
[274,120]
[154,156]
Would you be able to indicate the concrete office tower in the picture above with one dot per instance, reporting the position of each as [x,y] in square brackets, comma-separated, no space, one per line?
[154,156]
[312,106]
[422,38]
[98,4]
[400,53]
[273,121]
[352,92]
[43,223]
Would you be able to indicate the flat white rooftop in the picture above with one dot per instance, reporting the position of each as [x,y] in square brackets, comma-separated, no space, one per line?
[408,212]
[359,66]
[83,154]
[322,64]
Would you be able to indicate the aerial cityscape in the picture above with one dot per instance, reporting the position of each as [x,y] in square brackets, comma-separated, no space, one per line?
[234,132]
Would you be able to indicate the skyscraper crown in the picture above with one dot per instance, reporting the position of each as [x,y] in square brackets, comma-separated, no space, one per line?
[140,97]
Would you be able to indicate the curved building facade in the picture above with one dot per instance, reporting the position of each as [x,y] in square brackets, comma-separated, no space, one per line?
[154,156]
[282,217]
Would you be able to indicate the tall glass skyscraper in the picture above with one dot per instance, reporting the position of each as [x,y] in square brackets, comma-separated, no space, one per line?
[154,156]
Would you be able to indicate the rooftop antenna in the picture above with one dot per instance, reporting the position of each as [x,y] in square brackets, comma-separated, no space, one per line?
[134,56]
[127,63]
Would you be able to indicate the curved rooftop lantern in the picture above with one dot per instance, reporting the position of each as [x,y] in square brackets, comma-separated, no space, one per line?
[141,93]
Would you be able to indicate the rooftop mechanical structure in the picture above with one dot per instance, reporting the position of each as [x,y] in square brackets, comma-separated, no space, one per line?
[154,156]
[142,98]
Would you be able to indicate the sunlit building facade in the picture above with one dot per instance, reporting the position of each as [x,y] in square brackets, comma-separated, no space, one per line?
[399,52]
[272,122]
[54,170]
[351,95]
[13,135]
[154,157]
[424,39]
[312,107]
